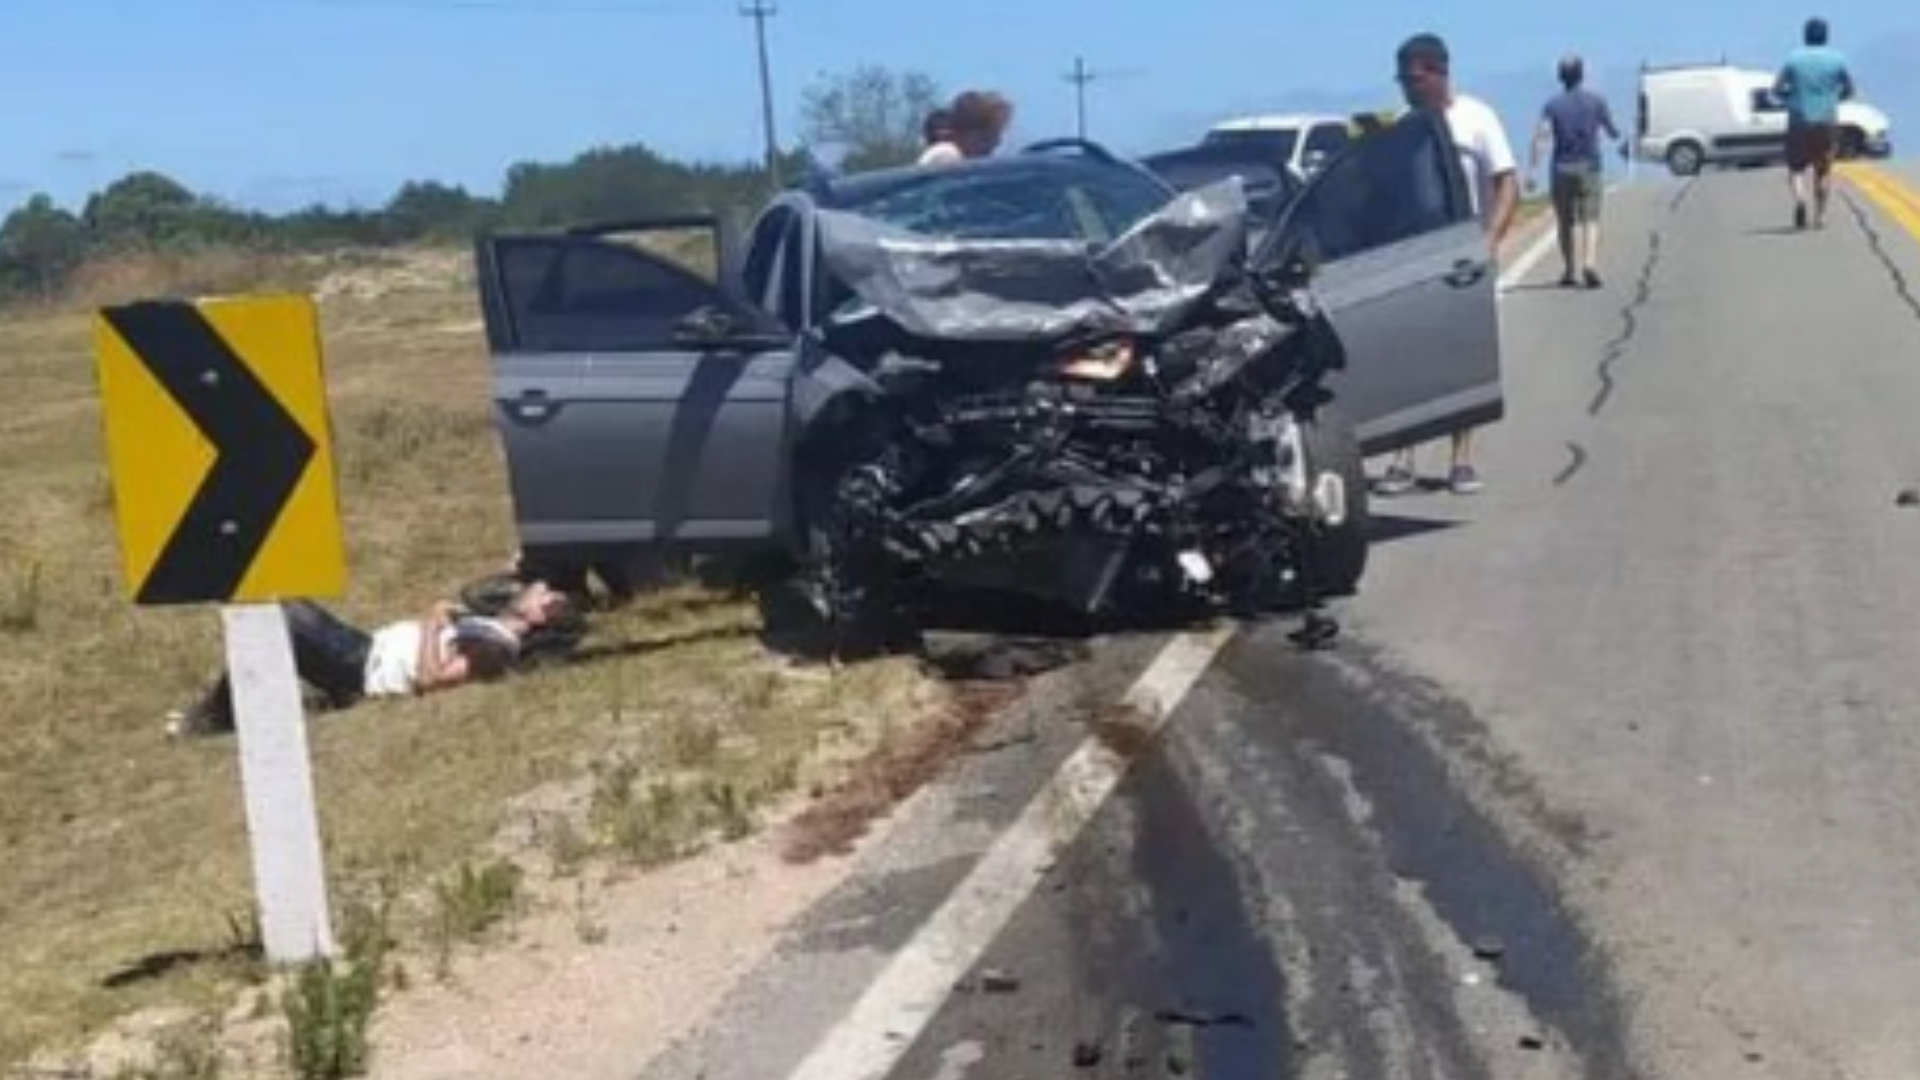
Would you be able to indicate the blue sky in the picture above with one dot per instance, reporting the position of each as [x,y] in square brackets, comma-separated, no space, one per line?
[276,103]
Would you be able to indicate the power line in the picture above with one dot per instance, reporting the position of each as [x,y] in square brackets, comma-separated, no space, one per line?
[760,11]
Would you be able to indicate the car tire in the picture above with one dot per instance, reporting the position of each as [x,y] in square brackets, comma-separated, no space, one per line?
[1686,158]
[1340,551]
[1853,144]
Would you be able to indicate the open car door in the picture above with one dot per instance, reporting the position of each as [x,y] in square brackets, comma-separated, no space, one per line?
[640,398]
[1402,264]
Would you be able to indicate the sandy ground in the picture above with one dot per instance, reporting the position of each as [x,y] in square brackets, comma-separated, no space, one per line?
[561,1000]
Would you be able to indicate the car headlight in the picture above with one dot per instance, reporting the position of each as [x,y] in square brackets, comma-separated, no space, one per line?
[1106,361]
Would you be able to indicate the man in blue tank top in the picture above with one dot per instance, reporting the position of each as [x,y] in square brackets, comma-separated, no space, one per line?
[1812,84]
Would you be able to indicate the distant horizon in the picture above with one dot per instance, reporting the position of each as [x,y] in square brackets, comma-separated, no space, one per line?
[278,105]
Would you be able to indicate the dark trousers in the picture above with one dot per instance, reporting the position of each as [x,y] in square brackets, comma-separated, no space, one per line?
[330,655]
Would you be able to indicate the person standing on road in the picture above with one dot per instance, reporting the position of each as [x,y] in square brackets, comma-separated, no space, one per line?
[1425,77]
[1574,121]
[1812,84]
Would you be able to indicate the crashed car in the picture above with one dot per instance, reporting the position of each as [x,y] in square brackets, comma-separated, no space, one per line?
[1047,374]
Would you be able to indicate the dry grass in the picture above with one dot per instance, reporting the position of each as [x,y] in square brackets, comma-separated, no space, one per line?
[124,853]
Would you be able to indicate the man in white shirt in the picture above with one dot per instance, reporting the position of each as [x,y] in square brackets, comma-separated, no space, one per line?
[1492,178]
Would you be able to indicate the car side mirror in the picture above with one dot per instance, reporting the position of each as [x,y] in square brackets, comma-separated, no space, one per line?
[706,325]
[1314,161]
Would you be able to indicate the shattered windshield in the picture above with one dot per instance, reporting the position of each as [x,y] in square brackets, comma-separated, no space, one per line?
[1036,286]
[1065,201]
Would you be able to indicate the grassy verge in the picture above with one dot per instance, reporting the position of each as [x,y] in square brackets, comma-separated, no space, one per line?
[125,856]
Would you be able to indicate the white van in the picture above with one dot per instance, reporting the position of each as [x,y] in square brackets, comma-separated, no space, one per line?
[1700,115]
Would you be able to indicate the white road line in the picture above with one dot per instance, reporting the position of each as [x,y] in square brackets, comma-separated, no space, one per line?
[1528,259]
[899,1005]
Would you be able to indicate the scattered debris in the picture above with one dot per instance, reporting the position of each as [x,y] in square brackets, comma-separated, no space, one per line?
[996,981]
[1188,1019]
[1532,1042]
[1909,498]
[1088,1053]
[1489,947]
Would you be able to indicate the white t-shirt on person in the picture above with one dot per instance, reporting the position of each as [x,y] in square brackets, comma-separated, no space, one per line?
[941,153]
[1485,152]
[393,660]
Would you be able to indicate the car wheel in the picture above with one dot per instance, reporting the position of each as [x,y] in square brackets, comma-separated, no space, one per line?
[1686,158]
[1339,551]
[1853,144]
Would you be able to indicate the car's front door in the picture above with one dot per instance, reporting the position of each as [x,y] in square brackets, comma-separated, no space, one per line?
[640,397]
[1403,267]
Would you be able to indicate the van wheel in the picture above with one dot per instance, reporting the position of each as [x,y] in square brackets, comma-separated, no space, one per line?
[1686,158]
[1853,144]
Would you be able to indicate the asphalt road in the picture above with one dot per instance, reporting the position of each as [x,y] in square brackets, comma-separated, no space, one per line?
[1615,773]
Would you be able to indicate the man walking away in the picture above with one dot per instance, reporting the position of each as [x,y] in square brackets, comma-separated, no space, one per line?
[1812,84]
[1574,122]
[1487,157]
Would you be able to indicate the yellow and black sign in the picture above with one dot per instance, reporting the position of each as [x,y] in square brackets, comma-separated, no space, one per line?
[217,437]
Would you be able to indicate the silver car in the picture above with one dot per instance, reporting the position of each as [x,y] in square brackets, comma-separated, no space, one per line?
[657,393]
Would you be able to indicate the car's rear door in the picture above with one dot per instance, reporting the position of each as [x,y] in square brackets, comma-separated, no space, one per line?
[640,397]
[1404,269]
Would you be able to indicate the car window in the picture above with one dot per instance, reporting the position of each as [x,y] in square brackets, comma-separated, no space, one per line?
[1269,186]
[567,294]
[1327,140]
[1393,186]
[756,275]
[1277,144]
[1764,101]
[790,302]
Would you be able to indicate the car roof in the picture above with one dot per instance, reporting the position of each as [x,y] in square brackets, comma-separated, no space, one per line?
[1276,122]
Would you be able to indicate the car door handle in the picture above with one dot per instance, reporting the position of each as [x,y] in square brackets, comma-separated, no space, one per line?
[532,407]
[1466,274]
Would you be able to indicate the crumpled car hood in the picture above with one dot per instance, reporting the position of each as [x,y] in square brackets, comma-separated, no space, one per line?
[1027,290]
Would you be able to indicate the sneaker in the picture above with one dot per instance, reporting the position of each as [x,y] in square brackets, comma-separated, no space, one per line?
[1465,481]
[193,723]
[1593,279]
[1397,480]
[1568,281]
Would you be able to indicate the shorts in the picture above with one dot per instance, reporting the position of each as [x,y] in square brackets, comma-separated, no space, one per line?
[1577,194]
[1811,146]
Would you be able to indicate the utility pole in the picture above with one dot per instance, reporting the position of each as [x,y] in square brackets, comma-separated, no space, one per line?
[760,11]
[1080,77]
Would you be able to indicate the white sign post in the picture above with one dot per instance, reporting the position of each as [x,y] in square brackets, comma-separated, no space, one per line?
[283,825]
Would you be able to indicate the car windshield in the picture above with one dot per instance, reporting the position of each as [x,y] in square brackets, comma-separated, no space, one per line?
[1269,186]
[1059,201]
[1275,143]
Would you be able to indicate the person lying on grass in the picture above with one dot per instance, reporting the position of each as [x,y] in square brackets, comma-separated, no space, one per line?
[448,646]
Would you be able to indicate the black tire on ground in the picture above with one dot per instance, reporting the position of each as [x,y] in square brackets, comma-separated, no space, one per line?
[1853,144]
[1340,552]
[1686,158]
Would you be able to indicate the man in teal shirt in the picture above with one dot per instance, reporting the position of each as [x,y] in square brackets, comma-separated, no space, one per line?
[1812,84]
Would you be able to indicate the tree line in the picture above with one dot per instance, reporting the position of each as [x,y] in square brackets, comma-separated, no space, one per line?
[867,118]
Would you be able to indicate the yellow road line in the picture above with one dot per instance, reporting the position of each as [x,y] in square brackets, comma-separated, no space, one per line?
[1893,195]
